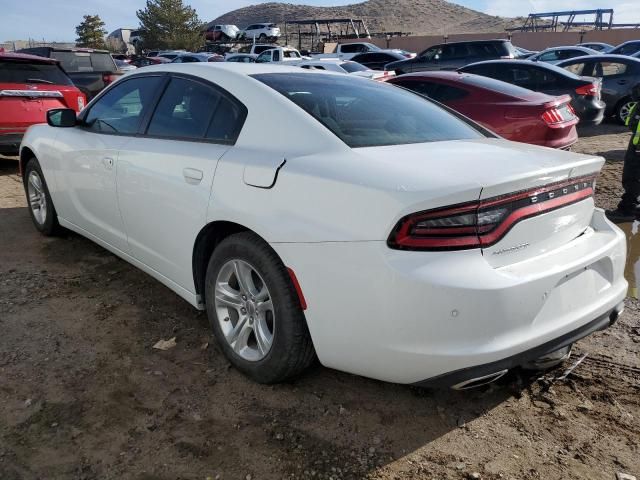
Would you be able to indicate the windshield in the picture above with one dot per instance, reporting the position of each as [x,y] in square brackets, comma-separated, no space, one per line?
[363,113]
[22,72]
[351,67]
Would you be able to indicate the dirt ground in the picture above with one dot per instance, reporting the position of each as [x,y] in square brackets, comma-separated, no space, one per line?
[83,395]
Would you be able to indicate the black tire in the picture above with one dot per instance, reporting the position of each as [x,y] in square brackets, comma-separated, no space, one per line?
[291,350]
[50,226]
[262,37]
[620,108]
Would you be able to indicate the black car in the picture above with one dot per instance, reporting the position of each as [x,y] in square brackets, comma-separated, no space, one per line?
[549,79]
[627,48]
[597,46]
[377,60]
[90,70]
[619,75]
[451,56]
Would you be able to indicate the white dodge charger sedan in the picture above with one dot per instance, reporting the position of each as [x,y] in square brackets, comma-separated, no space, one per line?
[320,215]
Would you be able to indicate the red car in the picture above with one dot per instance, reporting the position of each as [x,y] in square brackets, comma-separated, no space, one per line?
[29,87]
[510,111]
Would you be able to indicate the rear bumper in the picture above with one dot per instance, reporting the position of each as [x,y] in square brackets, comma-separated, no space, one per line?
[10,143]
[465,376]
[590,113]
[407,317]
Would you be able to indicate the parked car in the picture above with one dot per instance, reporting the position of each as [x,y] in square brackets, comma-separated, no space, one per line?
[189,57]
[512,112]
[342,66]
[440,253]
[254,49]
[451,56]
[542,77]
[90,70]
[377,60]
[597,46]
[146,61]
[347,51]
[124,66]
[619,74]
[627,48]
[221,33]
[261,32]
[170,54]
[29,86]
[524,53]
[241,58]
[280,55]
[558,54]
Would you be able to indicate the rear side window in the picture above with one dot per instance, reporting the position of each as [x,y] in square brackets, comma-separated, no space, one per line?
[576,68]
[363,113]
[609,69]
[423,88]
[75,62]
[495,85]
[22,72]
[193,111]
[121,109]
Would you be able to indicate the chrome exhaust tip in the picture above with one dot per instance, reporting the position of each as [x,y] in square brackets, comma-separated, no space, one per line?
[479,381]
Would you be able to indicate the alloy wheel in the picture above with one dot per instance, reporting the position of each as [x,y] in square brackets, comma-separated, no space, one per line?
[625,110]
[244,309]
[37,197]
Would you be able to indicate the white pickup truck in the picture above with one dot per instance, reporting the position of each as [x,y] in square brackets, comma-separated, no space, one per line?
[346,51]
[280,55]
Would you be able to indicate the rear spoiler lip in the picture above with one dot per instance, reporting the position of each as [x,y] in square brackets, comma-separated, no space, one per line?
[557,101]
[31,93]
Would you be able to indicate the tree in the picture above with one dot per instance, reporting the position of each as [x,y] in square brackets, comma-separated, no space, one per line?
[91,32]
[170,24]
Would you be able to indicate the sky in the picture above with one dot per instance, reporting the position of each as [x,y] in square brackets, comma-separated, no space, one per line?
[55,20]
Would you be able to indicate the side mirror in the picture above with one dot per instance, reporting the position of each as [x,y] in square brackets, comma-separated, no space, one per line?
[62,117]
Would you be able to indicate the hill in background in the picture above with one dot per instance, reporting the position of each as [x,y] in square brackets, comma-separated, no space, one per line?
[426,17]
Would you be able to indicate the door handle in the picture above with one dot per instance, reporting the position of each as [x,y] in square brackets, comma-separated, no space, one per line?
[107,162]
[192,175]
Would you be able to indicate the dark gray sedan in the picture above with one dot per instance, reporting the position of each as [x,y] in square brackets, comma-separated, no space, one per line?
[619,74]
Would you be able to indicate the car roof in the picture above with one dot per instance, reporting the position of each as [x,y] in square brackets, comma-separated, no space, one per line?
[25,57]
[528,63]
[601,57]
[569,47]
[494,40]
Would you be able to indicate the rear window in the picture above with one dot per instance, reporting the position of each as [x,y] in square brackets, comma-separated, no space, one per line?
[22,72]
[261,48]
[368,114]
[353,67]
[75,62]
[496,85]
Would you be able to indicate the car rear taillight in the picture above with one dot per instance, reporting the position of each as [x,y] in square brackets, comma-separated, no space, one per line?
[483,223]
[590,90]
[108,78]
[552,116]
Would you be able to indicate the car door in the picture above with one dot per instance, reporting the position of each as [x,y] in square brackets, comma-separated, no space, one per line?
[165,175]
[427,60]
[86,176]
[617,80]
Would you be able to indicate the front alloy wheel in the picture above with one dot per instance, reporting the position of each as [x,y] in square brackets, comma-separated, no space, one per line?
[37,198]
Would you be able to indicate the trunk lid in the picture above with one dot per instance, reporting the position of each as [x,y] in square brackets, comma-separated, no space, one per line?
[500,169]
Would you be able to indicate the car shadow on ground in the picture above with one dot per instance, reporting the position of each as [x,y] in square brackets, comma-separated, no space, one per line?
[8,165]
[608,127]
[93,320]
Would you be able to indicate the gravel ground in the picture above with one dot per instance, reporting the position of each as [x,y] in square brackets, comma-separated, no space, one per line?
[83,395]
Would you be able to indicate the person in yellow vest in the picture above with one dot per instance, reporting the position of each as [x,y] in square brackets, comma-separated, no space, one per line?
[629,207]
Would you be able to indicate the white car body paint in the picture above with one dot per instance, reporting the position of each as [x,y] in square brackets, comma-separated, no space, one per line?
[394,315]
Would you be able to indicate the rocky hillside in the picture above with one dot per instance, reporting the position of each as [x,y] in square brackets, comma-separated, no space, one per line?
[427,17]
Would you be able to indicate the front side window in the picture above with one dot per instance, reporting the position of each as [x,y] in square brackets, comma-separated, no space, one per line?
[549,56]
[431,54]
[121,109]
[367,114]
[264,57]
[349,48]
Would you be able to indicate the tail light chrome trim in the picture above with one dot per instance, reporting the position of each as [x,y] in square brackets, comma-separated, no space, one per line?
[483,223]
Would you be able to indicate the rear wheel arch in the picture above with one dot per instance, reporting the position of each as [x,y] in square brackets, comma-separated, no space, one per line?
[206,242]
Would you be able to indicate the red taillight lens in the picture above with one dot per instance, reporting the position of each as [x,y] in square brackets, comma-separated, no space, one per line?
[552,116]
[591,90]
[108,78]
[483,223]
